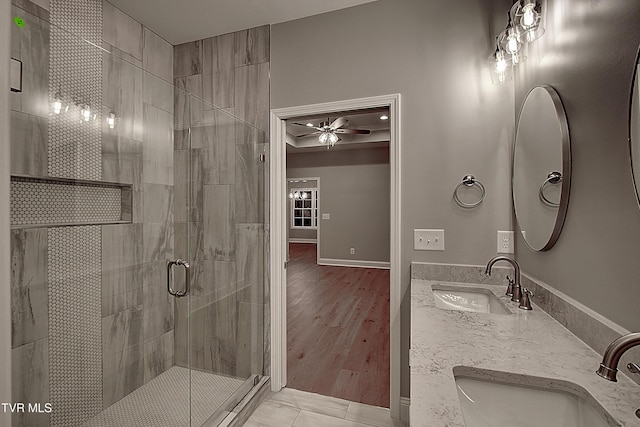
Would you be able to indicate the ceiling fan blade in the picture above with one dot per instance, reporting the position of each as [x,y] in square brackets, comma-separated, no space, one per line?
[353,131]
[338,123]
[312,127]
[307,134]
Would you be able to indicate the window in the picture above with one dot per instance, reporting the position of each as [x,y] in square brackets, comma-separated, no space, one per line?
[304,208]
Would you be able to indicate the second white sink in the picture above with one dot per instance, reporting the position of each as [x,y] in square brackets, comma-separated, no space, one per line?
[464,298]
[500,399]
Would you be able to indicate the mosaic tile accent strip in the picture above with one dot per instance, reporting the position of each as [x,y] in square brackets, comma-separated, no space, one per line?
[75,324]
[50,202]
[164,401]
[75,78]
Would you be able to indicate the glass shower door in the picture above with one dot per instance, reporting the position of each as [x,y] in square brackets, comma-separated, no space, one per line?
[222,238]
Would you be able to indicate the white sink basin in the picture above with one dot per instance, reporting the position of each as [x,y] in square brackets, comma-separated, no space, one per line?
[519,400]
[465,298]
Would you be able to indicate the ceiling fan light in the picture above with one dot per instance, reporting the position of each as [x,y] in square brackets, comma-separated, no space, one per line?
[333,138]
[324,136]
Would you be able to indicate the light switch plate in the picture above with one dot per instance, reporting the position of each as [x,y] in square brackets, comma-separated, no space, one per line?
[428,240]
[326,216]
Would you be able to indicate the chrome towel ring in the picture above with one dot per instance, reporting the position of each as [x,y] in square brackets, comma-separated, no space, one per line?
[554,177]
[469,181]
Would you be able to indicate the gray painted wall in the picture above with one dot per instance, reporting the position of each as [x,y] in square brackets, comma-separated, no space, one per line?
[587,54]
[355,191]
[454,121]
[5,293]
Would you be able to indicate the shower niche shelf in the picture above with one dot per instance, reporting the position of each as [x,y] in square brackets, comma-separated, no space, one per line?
[61,202]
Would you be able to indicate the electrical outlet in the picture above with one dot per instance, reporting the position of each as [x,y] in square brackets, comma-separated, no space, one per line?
[505,242]
[352,251]
[428,240]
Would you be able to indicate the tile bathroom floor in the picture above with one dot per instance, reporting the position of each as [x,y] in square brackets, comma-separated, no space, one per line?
[294,408]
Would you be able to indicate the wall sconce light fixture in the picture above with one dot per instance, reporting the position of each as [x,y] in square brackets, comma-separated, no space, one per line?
[111,120]
[85,113]
[500,66]
[57,106]
[524,26]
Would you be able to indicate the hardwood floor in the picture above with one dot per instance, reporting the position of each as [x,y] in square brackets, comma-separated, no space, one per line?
[337,329]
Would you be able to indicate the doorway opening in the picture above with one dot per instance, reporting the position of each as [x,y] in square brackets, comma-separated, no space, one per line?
[339,247]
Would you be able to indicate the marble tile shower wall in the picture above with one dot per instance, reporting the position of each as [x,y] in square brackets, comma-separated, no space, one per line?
[134,311]
[225,216]
[138,313]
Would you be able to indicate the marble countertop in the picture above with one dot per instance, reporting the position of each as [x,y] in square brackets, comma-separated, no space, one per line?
[526,342]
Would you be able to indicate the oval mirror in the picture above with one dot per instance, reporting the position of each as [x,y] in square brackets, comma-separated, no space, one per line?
[634,126]
[541,168]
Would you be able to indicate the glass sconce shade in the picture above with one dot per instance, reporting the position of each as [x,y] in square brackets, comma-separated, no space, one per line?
[57,106]
[520,56]
[509,40]
[85,113]
[111,120]
[500,66]
[526,16]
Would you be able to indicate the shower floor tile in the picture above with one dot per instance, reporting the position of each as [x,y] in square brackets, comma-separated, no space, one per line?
[164,401]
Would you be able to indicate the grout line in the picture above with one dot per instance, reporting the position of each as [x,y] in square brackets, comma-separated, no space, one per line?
[348,407]
[296,418]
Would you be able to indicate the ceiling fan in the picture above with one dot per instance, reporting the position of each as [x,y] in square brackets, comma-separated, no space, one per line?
[327,131]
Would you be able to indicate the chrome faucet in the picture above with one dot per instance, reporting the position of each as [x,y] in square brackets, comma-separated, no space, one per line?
[517,289]
[609,365]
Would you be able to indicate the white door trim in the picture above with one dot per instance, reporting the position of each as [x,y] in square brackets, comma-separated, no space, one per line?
[278,219]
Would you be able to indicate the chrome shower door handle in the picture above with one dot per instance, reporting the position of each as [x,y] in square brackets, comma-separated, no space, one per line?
[187,277]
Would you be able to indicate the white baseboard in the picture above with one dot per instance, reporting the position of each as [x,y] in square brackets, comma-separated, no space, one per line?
[405,402]
[354,263]
[296,240]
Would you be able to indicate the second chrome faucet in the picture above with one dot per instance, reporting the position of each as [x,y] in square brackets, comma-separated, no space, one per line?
[518,294]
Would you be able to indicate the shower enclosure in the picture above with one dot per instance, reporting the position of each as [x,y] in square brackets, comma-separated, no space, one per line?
[138,239]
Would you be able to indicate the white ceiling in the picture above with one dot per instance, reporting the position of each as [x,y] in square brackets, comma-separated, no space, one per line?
[181,21]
